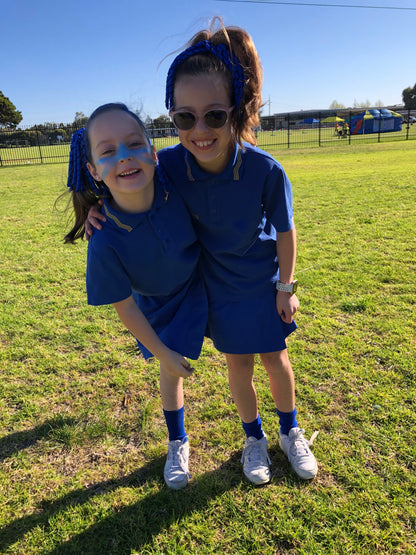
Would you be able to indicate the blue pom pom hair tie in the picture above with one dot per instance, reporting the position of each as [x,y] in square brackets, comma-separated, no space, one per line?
[221,52]
[79,178]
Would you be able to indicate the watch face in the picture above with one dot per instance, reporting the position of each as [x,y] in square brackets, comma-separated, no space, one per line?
[294,286]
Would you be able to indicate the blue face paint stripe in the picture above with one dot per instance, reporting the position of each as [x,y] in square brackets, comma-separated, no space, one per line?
[123,152]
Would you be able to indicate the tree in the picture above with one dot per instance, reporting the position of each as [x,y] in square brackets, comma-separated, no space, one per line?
[162,122]
[362,104]
[335,105]
[80,119]
[409,98]
[9,116]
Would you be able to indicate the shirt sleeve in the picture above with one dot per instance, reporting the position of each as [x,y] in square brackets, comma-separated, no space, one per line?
[278,199]
[107,281]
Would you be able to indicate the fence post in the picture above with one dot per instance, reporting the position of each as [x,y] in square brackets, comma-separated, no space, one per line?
[379,128]
[408,124]
[40,150]
[319,127]
[1,161]
[288,131]
[349,134]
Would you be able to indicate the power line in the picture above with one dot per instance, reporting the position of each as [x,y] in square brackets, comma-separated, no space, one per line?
[318,5]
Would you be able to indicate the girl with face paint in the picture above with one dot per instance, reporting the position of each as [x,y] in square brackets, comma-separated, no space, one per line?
[145,260]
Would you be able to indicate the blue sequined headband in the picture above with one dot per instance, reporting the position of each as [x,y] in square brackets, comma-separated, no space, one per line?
[79,178]
[221,52]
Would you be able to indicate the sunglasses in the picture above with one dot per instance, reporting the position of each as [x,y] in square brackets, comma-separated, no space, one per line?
[213,118]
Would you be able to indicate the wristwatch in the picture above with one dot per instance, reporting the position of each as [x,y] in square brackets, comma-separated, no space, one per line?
[287,287]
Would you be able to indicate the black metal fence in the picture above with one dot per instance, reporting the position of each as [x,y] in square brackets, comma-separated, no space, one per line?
[328,128]
[50,143]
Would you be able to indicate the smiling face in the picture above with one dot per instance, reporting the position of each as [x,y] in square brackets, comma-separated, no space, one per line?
[211,148]
[123,158]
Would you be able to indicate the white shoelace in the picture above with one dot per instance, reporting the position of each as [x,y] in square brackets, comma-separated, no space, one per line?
[176,458]
[299,441]
[253,454]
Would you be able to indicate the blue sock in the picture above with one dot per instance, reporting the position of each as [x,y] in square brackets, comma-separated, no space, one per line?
[254,428]
[175,421]
[287,420]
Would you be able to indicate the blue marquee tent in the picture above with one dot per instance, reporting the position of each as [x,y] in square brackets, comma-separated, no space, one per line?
[309,120]
[374,121]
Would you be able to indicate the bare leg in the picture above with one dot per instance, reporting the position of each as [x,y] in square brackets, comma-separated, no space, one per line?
[240,379]
[282,387]
[171,391]
[256,462]
[176,471]
[282,383]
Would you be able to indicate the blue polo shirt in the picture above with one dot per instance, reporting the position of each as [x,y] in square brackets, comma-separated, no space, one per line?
[154,257]
[236,215]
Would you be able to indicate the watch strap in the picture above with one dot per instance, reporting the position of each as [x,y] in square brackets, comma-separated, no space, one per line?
[287,287]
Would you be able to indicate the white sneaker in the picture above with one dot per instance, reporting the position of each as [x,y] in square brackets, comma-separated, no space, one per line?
[176,471]
[256,461]
[296,448]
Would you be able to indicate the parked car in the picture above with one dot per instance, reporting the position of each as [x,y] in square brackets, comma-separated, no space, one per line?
[411,119]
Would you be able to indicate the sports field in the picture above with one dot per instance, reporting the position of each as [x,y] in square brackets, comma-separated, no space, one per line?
[82,437]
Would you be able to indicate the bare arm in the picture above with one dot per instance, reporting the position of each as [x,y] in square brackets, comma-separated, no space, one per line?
[135,321]
[93,220]
[286,303]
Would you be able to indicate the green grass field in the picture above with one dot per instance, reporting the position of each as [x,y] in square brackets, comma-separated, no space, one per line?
[82,437]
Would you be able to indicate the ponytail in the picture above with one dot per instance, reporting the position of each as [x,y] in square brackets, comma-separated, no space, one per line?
[229,51]
[85,191]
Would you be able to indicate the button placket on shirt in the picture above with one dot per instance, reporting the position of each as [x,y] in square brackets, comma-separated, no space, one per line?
[158,227]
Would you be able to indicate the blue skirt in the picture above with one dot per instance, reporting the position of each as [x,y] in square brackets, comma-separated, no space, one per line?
[179,320]
[248,326]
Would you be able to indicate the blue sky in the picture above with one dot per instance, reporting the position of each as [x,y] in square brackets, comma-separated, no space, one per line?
[60,57]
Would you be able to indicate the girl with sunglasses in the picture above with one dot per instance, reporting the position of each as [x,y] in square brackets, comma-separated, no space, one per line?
[241,203]
[142,262]
[240,200]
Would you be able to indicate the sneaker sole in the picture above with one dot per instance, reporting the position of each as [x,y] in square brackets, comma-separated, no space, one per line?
[256,480]
[305,475]
[177,485]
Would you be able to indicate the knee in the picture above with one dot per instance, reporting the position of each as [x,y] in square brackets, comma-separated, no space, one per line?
[240,365]
[276,362]
[168,378]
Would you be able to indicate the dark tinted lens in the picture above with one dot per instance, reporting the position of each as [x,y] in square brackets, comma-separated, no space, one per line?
[184,120]
[216,118]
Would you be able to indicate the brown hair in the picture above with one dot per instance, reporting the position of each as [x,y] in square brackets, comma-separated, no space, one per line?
[84,192]
[245,118]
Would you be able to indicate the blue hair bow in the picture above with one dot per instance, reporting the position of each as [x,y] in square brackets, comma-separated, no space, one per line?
[79,178]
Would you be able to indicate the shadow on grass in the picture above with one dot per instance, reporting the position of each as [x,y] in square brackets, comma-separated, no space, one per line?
[131,527]
[13,443]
